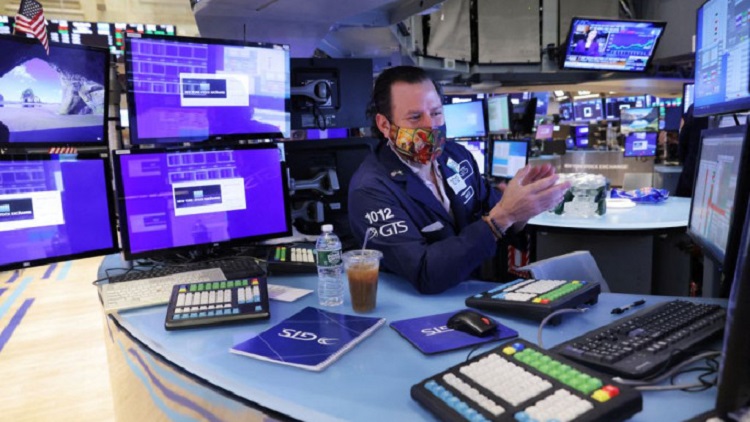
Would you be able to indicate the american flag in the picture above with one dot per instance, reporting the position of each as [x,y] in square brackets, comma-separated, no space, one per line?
[30,19]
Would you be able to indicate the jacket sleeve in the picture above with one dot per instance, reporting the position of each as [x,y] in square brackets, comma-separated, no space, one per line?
[431,267]
[491,196]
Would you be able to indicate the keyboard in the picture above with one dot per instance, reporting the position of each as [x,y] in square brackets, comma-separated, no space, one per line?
[151,291]
[232,268]
[648,341]
[536,298]
[217,302]
[298,258]
[521,382]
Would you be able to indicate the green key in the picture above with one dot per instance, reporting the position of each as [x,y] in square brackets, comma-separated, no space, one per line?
[230,284]
[215,285]
[193,287]
[200,287]
[223,285]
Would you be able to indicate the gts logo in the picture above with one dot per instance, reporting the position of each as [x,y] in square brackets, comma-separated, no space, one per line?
[306,336]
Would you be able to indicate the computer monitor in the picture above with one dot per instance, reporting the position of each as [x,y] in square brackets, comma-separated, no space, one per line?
[585,110]
[640,144]
[508,157]
[184,89]
[614,105]
[498,114]
[721,60]
[542,103]
[720,194]
[566,112]
[181,200]
[611,44]
[688,96]
[55,208]
[329,93]
[477,150]
[545,132]
[639,120]
[672,118]
[582,136]
[465,120]
[52,100]
[524,114]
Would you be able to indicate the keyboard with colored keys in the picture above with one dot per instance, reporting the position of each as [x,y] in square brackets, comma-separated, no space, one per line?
[217,302]
[536,298]
[521,382]
[299,258]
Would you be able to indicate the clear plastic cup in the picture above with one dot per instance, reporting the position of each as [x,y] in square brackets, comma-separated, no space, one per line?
[362,267]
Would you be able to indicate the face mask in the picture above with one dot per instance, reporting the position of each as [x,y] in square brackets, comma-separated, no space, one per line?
[420,145]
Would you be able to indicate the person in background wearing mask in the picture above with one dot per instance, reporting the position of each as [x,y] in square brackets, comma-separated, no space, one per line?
[434,217]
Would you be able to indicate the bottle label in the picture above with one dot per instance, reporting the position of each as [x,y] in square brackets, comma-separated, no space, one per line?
[329,258]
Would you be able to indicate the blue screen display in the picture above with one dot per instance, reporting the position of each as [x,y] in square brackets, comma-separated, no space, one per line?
[464,120]
[566,112]
[721,58]
[611,44]
[582,136]
[640,144]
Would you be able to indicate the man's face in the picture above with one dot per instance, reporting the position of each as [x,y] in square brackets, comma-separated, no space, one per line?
[413,106]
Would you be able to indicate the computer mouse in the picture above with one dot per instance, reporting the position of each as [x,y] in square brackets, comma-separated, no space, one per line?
[472,322]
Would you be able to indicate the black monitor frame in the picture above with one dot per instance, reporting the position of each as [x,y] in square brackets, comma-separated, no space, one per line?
[236,242]
[110,205]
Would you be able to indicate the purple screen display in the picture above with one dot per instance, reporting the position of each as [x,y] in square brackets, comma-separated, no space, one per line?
[640,144]
[190,91]
[51,209]
[180,199]
[53,100]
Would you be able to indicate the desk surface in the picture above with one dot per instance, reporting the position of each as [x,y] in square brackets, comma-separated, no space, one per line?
[672,213]
[371,381]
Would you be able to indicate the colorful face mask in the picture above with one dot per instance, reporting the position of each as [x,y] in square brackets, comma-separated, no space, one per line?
[420,145]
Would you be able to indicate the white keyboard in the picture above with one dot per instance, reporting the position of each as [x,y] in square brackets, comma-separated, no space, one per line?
[151,291]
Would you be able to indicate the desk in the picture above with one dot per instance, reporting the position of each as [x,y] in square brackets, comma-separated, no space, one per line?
[191,373]
[635,248]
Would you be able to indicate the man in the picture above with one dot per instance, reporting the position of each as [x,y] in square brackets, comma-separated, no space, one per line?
[434,217]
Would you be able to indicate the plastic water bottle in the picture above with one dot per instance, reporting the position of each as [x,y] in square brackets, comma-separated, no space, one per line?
[330,283]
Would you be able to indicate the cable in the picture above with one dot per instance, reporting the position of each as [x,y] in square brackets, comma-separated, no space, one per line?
[552,315]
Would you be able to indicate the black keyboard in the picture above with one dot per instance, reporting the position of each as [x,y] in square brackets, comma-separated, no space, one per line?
[235,268]
[648,341]
[297,258]
[521,382]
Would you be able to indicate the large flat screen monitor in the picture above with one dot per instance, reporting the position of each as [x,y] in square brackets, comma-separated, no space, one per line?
[721,58]
[52,100]
[720,194]
[196,90]
[508,157]
[612,45]
[544,132]
[566,112]
[477,150]
[465,120]
[614,105]
[688,96]
[582,136]
[585,110]
[639,120]
[55,208]
[498,114]
[175,200]
[640,144]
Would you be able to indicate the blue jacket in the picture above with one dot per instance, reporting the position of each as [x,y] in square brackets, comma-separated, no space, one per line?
[419,239]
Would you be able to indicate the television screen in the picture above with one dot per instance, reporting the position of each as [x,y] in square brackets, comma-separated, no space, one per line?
[640,144]
[52,100]
[639,120]
[54,208]
[585,110]
[614,105]
[544,132]
[688,96]
[721,59]
[619,45]
[498,114]
[477,150]
[542,101]
[508,157]
[582,136]
[171,200]
[566,112]
[194,89]
[464,120]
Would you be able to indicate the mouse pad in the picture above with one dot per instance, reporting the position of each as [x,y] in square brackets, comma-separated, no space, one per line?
[430,335]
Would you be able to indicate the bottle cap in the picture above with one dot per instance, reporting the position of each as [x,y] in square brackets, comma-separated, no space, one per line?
[326,228]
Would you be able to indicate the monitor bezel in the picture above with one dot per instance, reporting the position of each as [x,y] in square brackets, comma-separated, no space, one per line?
[625,145]
[742,189]
[55,46]
[211,140]
[240,241]
[492,156]
[485,119]
[111,210]
[509,114]
[574,19]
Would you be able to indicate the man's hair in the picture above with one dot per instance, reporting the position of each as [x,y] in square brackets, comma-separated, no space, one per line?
[381,101]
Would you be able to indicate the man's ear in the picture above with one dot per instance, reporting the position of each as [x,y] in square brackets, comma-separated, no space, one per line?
[383,124]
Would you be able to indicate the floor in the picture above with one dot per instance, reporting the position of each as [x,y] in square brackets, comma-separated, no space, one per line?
[53,362]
